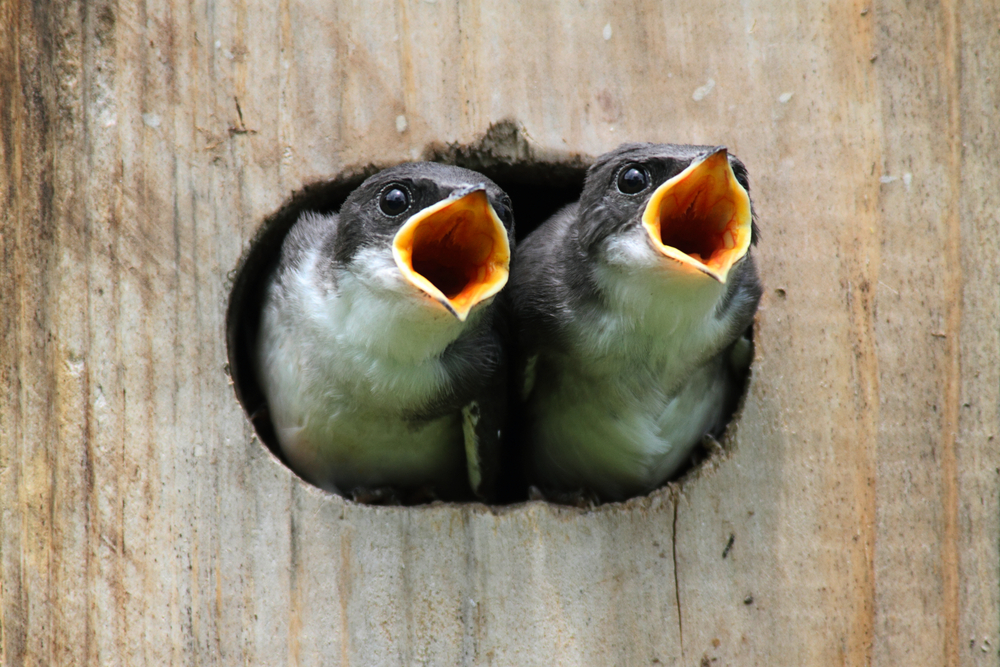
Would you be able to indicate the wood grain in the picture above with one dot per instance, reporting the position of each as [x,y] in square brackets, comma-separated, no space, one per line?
[142,522]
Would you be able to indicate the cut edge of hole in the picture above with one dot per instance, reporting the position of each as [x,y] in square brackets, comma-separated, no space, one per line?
[506,156]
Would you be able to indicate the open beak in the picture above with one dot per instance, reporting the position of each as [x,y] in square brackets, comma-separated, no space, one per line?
[455,251]
[701,217]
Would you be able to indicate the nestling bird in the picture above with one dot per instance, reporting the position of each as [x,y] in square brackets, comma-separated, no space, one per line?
[382,348]
[632,307]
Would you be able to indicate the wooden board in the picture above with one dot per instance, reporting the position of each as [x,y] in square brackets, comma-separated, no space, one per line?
[141,521]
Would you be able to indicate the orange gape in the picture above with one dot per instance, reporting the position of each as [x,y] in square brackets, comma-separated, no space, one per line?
[701,217]
[456,251]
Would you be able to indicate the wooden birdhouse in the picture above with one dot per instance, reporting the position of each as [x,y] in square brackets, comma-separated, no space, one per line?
[149,152]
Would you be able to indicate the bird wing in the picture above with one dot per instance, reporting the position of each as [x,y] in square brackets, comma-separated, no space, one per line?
[482,426]
[485,416]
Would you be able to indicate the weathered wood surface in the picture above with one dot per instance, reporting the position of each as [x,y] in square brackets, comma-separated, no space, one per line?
[143,523]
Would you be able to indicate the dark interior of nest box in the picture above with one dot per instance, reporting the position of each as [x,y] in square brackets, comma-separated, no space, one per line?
[537,190]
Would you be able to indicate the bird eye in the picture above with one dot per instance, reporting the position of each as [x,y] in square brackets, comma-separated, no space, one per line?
[633,179]
[395,200]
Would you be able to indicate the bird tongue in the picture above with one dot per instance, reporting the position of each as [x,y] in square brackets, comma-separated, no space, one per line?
[455,251]
[701,217]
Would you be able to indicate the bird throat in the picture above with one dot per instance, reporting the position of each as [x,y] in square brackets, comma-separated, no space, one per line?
[450,253]
[455,251]
[701,217]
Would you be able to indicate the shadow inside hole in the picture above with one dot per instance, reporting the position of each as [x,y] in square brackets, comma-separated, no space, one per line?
[537,191]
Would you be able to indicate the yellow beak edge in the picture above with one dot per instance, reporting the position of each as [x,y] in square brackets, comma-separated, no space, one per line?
[701,217]
[455,251]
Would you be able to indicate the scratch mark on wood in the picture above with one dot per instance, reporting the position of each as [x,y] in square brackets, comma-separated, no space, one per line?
[677,586]
[729,545]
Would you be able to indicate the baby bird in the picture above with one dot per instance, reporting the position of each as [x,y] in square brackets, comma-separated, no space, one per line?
[632,306]
[382,345]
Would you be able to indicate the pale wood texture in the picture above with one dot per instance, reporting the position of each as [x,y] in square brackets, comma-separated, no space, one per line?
[143,523]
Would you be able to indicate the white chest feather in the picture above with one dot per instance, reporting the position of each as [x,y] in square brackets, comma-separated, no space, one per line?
[342,368]
[640,383]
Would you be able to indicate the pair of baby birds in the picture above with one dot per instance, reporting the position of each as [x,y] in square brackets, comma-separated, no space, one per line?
[401,336]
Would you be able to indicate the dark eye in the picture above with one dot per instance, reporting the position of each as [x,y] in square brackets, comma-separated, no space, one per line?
[633,179]
[395,200]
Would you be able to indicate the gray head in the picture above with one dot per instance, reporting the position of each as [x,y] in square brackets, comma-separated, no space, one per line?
[449,230]
[691,202]
[375,211]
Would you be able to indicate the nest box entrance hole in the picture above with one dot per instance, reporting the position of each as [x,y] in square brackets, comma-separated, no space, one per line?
[538,188]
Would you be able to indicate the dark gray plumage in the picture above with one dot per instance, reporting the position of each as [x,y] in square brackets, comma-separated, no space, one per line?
[632,307]
[382,346]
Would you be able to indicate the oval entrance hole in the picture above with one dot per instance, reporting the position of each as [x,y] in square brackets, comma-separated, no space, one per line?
[537,188]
